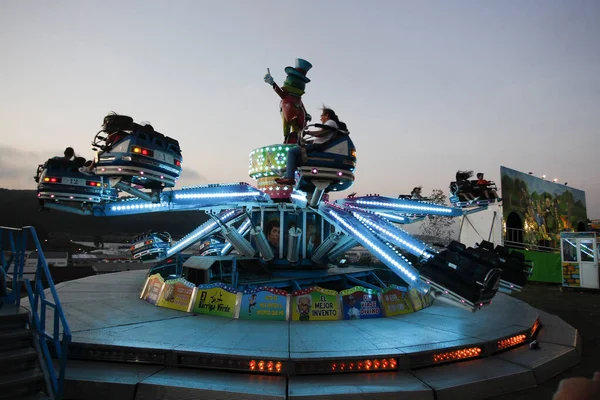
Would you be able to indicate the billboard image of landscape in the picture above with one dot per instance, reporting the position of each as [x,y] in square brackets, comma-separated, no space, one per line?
[538,209]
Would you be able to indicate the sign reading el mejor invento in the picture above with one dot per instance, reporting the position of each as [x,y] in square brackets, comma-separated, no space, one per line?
[215,299]
[315,304]
[264,303]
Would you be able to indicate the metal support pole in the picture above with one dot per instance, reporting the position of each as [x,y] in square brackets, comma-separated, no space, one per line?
[154,198]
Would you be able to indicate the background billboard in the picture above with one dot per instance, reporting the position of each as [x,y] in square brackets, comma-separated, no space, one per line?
[536,210]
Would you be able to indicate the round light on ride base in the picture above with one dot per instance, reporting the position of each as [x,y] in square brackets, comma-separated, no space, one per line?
[315,171]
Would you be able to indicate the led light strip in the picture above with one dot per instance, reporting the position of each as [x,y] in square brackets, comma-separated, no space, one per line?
[138,206]
[511,341]
[392,216]
[376,364]
[298,197]
[372,245]
[214,185]
[419,251]
[390,245]
[403,206]
[461,354]
[215,195]
[265,366]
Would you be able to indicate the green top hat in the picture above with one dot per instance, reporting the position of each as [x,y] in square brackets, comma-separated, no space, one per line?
[300,70]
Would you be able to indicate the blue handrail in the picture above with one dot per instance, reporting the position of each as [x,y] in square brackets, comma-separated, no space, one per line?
[37,300]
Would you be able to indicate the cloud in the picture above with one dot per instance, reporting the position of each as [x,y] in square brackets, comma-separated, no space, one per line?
[18,167]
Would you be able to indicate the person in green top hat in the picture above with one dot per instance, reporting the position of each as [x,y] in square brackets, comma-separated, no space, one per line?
[292,109]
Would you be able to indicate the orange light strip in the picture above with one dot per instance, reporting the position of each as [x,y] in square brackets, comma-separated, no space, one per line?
[535,327]
[265,366]
[376,364]
[457,354]
[511,341]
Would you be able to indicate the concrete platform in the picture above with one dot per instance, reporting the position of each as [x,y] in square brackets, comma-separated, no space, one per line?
[183,353]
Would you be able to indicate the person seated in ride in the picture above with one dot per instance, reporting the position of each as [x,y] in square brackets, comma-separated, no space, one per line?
[463,184]
[416,193]
[482,187]
[113,138]
[79,161]
[318,139]
[480,180]
[69,155]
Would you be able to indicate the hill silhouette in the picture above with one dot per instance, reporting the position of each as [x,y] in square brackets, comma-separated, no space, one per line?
[20,208]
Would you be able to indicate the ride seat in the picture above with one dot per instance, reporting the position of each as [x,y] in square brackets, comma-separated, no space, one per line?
[486,245]
[149,130]
[338,153]
[456,246]
[331,167]
[114,123]
[459,282]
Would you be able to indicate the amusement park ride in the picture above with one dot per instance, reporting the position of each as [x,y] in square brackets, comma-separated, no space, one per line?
[315,232]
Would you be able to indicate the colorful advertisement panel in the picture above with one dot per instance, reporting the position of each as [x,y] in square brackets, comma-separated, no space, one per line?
[571,275]
[315,304]
[396,301]
[419,300]
[571,268]
[536,210]
[177,294]
[153,288]
[360,303]
[264,303]
[215,299]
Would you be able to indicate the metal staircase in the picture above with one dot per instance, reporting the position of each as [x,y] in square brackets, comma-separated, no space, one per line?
[21,373]
[26,365]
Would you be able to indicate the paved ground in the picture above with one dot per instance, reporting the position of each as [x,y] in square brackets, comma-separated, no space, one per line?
[580,309]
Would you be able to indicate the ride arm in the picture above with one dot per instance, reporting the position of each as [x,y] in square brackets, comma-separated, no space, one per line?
[345,221]
[210,227]
[223,196]
[411,207]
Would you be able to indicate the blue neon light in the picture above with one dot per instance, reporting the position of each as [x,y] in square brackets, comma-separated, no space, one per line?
[419,250]
[215,195]
[392,217]
[139,206]
[374,247]
[405,206]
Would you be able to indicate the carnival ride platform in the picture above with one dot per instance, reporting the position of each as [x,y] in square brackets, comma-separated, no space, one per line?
[125,348]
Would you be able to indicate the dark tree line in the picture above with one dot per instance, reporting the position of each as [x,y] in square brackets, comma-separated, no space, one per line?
[20,208]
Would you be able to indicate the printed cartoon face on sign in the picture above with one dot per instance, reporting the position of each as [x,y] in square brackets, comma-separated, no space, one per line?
[304,307]
[170,292]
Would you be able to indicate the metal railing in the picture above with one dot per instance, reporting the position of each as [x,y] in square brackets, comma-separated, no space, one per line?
[17,241]
[522,239]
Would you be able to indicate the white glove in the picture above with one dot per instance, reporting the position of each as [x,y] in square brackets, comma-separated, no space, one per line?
[268,78]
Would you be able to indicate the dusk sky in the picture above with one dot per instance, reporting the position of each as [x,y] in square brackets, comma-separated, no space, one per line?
[426,87]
